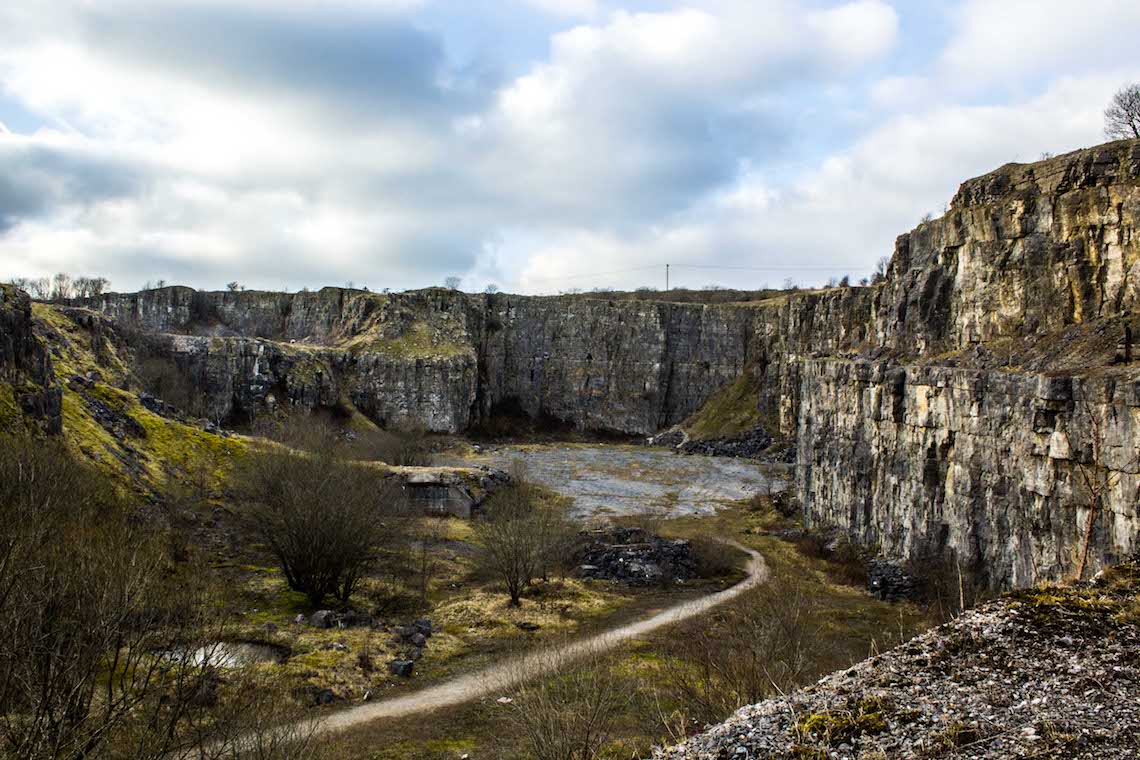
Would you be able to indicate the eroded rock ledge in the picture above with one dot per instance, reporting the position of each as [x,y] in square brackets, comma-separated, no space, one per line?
[1050,672]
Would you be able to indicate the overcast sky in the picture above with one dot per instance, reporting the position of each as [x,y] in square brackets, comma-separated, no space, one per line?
[536,144]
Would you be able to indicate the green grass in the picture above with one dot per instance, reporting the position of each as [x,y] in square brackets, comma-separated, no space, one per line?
[731,411]
[419,340]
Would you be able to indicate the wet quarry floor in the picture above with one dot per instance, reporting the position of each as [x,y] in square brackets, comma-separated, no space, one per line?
[617,480]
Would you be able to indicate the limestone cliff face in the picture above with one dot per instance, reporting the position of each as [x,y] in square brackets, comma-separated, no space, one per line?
[992,464]
[1025,249]
[450,360]
[25,363]
[992,468]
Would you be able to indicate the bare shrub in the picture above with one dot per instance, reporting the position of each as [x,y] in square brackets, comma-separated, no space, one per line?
[161,377]
[765,643]
[404,445]
[948,586]
[97,628]
[323,517]
[845,561]
[714,559]
[575,714]
[523,533]
[258,723]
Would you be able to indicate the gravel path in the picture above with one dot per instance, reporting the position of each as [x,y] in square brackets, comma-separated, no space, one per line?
[492,680]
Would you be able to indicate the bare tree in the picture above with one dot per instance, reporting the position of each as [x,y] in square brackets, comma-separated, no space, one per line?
[1097,480]
[103,643]
[322,515]
[452,282]
[523,532]
[233,287]
[40,288]
[509,536]
[1122,117]
[61,288]
[491,289]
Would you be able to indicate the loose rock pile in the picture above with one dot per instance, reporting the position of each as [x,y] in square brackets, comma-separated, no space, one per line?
[636,557]
[413,638]
[1050,672]
[748,445]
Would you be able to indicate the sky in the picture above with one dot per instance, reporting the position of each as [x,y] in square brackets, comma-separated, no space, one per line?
[537,145]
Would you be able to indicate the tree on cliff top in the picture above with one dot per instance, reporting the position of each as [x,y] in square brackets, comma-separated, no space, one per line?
[1122,117]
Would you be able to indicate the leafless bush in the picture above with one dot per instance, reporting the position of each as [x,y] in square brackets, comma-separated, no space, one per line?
[713,558]
[765,643]
[323,517]
[948,585]
[572,715]
[523,533]
[404,445]
[97,628]
[161,377]
[259,722]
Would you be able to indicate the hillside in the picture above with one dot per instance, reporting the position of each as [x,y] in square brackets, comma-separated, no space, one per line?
[1047,673]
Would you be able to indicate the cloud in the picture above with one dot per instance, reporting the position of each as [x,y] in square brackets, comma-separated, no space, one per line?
[838,217]
[1008,42]
[322,141]
[569,8]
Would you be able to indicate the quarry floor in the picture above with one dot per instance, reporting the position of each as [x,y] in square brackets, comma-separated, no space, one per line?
[614,480]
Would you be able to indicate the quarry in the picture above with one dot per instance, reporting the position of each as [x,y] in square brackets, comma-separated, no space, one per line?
[971,421]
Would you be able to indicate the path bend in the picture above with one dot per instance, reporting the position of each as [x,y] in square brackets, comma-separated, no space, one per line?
[494,678]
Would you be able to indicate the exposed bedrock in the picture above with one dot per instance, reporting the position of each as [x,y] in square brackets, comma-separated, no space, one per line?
[991,468]
[28,383]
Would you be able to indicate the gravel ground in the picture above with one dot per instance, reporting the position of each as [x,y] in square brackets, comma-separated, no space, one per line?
[1046,673]
[608,479]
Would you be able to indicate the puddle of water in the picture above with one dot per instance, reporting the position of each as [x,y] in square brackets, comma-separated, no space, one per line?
[228,654]
[625,480]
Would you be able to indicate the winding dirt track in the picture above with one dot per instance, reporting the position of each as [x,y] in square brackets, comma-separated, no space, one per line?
[493,679]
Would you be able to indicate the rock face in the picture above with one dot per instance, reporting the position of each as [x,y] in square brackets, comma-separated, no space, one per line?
[25,363]
[987,468]
[980,458]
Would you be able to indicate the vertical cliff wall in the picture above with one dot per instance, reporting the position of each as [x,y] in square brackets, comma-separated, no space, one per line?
[999,406]
[994,469]
[28,383]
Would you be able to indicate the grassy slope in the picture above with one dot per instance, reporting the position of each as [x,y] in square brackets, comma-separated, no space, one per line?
[167,451]
[731,411]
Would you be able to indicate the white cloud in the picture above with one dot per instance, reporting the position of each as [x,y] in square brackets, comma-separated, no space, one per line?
[707,133]
[568,8]
[858,31]
[839,217]
[1005,42]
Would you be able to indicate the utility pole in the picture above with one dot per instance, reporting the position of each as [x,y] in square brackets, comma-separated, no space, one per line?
[666,277]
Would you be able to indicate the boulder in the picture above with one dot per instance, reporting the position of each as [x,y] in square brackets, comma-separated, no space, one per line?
[401,668]
[323,619]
